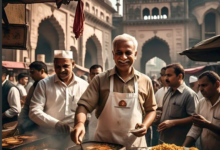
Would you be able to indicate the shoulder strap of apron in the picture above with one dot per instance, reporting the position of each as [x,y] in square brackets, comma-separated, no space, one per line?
[111,83]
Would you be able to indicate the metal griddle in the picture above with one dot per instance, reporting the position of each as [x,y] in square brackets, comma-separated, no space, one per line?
[92,143]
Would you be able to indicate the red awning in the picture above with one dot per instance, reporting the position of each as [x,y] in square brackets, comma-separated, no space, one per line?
[194,70]
[12,64]
[82,68]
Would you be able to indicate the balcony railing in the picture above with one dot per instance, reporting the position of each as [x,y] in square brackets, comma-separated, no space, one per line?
[195,3]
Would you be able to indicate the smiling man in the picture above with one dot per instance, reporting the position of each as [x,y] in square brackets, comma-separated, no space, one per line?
[55,99]
[120,96]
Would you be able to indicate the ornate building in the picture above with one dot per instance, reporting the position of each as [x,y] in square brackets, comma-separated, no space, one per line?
[165,27]
[50,28]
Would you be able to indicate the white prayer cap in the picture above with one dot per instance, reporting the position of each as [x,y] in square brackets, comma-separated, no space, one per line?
[63,54]
[193,79]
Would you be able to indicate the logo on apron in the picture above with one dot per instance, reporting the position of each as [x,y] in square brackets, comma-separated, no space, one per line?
[122,103]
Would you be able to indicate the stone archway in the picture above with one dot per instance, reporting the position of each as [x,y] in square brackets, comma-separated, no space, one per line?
[154,47]
[50,38]
[93,53]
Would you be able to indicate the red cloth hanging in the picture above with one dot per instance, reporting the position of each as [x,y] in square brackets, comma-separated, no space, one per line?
[79,19]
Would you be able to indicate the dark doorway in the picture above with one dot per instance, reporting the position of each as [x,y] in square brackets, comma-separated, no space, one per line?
[154,48]
[91,53]
[48,40]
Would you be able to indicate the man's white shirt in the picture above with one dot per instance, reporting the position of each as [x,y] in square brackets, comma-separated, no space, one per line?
[54,101]
[13,101]
[159,96]
[22,90]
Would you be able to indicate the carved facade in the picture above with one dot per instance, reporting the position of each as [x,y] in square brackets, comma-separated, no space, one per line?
[51,28]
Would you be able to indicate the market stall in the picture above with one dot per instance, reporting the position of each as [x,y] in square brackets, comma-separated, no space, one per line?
[206,51]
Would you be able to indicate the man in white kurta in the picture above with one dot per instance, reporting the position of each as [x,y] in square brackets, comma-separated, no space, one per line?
[55,98]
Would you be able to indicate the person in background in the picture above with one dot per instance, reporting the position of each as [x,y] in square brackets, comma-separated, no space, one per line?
[159,99]
[206,120]
[29,85]
[121,97]
[156,85]
[84,77]
[22,81]
[38,71]
[10,101]
[194,85]
[54,101]
[179,104]
[94,70]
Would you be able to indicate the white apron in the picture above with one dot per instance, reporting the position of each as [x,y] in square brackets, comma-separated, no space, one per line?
[115,122]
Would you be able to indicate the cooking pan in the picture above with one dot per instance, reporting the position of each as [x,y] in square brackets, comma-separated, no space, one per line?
[87,145]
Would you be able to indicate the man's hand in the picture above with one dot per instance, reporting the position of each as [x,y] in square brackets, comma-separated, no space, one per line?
[200,121]
[142,131]
[165,125]
[62,127]
[78,133]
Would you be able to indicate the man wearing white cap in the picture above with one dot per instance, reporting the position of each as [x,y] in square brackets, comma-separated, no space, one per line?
[194,85]
[55,98]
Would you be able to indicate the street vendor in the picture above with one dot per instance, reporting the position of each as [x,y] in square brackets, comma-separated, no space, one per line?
[120,96]
[55,98]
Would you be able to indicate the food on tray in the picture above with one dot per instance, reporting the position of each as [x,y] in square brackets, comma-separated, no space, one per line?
[14,142]
[4,144]
[170,147]
[100,147]
[24,137]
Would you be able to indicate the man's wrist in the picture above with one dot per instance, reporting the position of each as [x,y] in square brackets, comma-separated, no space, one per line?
[80,122]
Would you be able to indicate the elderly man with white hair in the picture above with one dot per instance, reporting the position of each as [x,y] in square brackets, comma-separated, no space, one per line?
[55,98]
[121,97]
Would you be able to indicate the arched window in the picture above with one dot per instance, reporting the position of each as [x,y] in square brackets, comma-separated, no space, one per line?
[146,12]
[137,13]
[165,11]
[210,25]
[96,13]
[93,10]
[87,6]
[102,15]
[107,19]
[155,12]
[130,14]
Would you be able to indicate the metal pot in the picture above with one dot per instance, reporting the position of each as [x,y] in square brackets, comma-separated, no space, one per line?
[94,143]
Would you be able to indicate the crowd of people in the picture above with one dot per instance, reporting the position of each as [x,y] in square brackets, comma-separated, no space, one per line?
[107,106]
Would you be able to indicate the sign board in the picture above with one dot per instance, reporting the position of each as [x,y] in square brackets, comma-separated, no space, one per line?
[14,37]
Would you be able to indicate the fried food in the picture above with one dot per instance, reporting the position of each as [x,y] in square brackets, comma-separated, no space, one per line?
[100,147]
[24,137]
[4,144]
[170,147]
[15,142]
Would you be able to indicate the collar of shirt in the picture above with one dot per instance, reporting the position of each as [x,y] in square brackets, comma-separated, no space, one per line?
[134,73]
[74,80]
[4,82]
[180,88]
[218,101]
